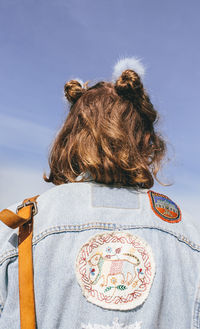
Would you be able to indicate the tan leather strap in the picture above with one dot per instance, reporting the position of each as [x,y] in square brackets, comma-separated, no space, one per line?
[24,220]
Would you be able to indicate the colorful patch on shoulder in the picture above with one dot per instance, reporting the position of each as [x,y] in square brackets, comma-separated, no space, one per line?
[115,270]
[164,207]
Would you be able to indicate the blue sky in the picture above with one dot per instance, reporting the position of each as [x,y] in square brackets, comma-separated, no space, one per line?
[46,43]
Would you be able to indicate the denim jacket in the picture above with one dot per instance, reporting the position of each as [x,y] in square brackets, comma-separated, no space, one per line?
[106,257]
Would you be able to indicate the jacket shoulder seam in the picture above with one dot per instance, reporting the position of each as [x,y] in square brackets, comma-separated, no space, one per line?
[97,225]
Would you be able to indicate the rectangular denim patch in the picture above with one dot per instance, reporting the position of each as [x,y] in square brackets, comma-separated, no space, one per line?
[114,197]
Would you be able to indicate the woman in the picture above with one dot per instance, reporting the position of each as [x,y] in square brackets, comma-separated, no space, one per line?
[108,251]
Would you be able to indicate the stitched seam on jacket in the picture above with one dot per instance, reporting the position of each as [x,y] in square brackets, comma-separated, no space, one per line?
[97,225]
[8,254]
[110,226]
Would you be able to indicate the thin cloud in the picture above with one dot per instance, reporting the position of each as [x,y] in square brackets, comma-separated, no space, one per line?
[20,183]
[20,134]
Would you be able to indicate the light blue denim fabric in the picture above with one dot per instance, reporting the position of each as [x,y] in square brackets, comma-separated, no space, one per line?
[68,215]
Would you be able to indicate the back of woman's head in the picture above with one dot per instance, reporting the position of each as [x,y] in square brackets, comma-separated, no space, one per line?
[109,132]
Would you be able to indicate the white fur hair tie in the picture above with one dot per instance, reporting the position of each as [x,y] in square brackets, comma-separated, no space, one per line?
[128,63]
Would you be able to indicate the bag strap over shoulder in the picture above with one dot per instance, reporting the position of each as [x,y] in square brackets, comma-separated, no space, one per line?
[24,220]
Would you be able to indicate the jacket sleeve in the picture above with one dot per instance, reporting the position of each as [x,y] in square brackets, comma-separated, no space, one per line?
[1,304]
[6,249]
[196,314]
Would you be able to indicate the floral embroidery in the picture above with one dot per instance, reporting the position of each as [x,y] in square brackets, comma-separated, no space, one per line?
[113,280]
[108,249]
[115,325]
[140,271]
[164,207]
[121,281]
[92,271]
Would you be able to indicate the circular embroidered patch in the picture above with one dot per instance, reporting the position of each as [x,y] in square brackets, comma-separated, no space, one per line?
[115,270]
[164,207]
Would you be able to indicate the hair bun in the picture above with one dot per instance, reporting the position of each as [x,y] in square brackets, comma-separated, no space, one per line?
[73,90]
[129,85]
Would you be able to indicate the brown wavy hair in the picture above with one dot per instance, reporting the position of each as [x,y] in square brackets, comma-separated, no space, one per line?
[109,132]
